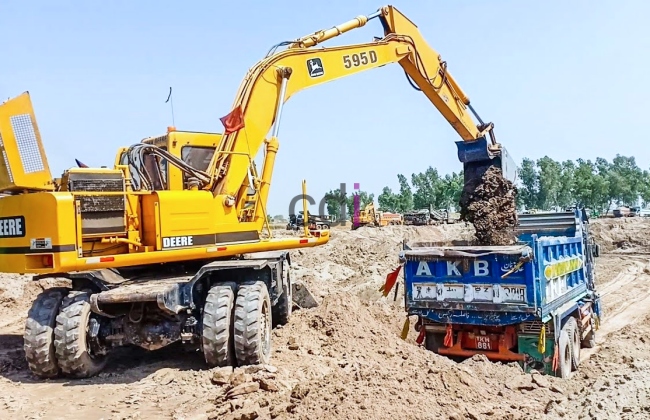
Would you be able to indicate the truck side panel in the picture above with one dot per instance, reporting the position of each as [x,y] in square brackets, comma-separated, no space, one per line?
[560,270]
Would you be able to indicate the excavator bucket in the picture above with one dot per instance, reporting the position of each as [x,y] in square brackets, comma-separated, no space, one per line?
[478,157]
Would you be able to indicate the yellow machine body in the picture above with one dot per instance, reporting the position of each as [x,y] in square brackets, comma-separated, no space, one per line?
[195,196]
[95,220]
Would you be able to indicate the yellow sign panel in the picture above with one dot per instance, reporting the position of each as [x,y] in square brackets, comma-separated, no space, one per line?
[562,268]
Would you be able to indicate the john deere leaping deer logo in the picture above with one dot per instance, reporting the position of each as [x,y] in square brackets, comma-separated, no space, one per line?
[315,67]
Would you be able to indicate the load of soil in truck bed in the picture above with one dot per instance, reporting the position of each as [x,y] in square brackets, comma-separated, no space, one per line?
[489,203]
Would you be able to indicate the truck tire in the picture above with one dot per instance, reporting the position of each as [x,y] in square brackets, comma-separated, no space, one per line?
[38,336]
[433,341]
[571,328]
[283,308]
[216,337]
[253,324]
[70,342]
[564,356]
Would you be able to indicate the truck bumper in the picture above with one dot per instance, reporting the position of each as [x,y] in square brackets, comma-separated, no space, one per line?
[496,343]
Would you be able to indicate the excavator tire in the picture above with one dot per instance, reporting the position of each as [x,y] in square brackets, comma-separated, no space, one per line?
[38,337]
[70,342]
[253,324]
[282,309]
[218,348]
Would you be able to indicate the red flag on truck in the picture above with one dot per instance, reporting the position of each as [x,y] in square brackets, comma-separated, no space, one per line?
[391,278]
[233,121]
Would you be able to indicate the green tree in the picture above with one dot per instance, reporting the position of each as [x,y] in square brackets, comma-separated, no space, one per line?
[628,178]
[567,184]
[528,192]
[452,187]
[548,183]
[334,200]
[364,200]
[429,187]
[405,200]
[388,201]
[644,189]
[591,187]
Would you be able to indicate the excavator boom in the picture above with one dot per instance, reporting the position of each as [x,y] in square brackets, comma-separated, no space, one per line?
[273,80]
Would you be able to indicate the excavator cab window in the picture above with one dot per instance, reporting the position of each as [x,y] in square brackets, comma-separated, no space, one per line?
[156,172]
[198,157]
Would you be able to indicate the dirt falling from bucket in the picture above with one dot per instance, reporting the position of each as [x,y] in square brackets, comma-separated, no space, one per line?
[489,203]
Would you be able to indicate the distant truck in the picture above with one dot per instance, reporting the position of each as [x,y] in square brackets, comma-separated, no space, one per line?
[533,302]
[428,216]
[316,222]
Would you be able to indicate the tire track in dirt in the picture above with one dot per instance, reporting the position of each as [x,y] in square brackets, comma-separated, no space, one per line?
[625,298]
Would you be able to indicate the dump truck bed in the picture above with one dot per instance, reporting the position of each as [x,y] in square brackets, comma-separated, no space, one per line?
[499,285]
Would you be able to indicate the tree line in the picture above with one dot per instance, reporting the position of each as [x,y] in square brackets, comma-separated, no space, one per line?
[544,184]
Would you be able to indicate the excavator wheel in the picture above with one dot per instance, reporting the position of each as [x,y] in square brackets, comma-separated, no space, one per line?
[71,336]
[253,324]
[218,348]
[38,337]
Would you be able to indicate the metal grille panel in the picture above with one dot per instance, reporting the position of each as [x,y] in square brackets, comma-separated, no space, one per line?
[112,185]
[30,154]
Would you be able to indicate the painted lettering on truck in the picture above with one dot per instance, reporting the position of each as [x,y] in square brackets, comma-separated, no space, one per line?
[481,268]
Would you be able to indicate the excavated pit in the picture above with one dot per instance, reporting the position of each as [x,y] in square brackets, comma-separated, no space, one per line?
[489,203]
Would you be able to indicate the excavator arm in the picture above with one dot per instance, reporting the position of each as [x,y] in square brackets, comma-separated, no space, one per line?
[272,81]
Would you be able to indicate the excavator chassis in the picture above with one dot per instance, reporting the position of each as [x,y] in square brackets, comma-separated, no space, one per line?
[224,308]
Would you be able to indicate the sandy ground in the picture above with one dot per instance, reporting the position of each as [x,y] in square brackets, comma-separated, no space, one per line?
[345,360]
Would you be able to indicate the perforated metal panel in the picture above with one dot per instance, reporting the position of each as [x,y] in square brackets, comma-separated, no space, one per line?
[30,155]
[23,164]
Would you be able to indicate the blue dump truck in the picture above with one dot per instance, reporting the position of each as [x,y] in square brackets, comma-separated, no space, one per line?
[534,302]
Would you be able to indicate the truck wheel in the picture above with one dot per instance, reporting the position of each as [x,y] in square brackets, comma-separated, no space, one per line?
[564,359]
[433,341]
[282,310]
[216,336]
[38,337]
[253,324]
[571,328]
[71,338]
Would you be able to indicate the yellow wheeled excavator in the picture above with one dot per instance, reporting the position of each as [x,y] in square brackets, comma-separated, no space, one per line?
[172,243]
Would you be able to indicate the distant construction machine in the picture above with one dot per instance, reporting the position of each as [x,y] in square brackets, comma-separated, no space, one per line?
[172,244]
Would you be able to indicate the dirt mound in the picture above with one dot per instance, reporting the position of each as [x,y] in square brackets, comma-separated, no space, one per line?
[347,361]
[357,261]
[626,234]
[489,203]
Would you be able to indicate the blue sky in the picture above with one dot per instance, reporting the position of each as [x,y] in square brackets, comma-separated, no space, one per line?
[557,78]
